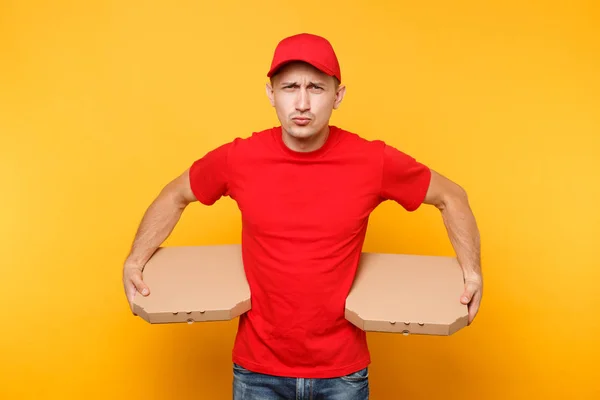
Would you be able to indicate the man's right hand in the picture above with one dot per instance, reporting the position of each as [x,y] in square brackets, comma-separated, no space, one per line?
[133,283]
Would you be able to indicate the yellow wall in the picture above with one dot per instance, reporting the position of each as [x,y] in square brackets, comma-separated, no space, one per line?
[101,103]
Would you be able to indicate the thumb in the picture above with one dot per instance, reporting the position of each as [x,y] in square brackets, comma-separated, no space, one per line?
[468,293]
[140,285]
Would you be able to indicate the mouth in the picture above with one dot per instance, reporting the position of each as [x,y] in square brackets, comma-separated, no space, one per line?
[301,121]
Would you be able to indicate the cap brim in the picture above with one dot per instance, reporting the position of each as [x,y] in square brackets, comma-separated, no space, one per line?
[280,65]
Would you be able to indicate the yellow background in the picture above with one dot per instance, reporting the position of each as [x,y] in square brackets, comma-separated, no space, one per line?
[102,103]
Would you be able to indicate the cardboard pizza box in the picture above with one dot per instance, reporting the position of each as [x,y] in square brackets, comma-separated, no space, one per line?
[391,292]
[194,284]
[409,294]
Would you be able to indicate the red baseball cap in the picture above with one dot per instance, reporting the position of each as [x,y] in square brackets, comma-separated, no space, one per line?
[312,49]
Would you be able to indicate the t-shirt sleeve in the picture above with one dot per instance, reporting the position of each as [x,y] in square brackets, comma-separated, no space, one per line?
[209,175]
[404,179]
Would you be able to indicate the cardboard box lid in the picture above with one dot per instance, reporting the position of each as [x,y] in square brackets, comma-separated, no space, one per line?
[194,283]
[391,292]
[413,294]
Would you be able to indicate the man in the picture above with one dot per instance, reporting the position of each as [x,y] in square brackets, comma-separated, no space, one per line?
[305,190]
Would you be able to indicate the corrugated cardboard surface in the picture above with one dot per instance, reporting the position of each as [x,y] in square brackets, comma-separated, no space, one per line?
[194,283]
[391,292]
[410,294]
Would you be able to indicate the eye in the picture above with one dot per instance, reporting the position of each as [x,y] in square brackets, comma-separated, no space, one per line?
[315,87]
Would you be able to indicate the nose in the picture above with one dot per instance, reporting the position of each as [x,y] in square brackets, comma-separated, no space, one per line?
[302,101]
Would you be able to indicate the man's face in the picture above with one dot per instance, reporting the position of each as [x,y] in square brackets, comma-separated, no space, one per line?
[304,99]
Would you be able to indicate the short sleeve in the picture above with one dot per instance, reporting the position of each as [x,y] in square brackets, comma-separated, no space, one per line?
[404,179]
[209,175]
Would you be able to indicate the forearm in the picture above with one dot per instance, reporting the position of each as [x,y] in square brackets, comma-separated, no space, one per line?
[464,235]
[158,222]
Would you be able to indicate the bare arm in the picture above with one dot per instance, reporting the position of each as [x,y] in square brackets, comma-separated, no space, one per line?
[452,201]
[157,224]
[160,219]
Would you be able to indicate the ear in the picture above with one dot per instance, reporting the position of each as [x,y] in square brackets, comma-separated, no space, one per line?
[339,96]
[270,95]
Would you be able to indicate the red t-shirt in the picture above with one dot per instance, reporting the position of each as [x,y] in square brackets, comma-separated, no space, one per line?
[304,219]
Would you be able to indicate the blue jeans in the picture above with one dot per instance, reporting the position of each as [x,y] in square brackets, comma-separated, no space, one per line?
[249,385]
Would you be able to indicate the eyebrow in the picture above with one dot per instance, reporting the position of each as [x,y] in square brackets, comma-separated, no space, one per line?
[316,83]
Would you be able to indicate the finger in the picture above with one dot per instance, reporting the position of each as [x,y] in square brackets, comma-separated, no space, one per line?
[129,289]
[472,314]
[474,307]
[140,285]
[130,293]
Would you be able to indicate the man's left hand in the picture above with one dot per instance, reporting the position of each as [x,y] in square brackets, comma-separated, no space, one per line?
[472,296]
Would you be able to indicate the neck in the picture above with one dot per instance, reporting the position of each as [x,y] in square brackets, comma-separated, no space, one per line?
[307,144]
